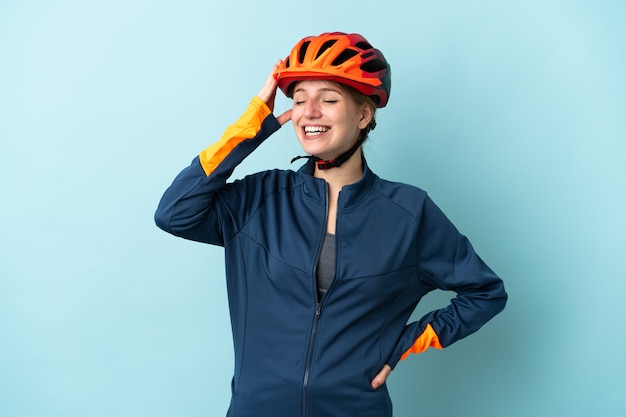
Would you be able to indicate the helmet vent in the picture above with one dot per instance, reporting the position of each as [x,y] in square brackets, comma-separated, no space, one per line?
[374,65]
[364,45]
[303,49]
[325,46]
[345,55]
[287,62]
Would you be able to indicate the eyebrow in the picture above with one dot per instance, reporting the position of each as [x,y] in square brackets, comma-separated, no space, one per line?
[324,89]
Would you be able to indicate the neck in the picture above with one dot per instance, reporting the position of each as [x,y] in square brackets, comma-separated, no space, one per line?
[348,173]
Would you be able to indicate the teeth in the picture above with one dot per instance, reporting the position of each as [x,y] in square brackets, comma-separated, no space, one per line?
[313,130]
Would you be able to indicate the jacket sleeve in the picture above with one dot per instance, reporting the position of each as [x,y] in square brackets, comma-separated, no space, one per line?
[194,207]
[447,261]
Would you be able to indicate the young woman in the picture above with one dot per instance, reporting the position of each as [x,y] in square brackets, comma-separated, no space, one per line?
[326,264]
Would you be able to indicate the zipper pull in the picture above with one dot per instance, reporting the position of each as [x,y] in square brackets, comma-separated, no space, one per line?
[318,310]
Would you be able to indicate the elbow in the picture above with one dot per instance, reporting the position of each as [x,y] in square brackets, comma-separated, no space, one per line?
[162,219]
[492,299]
[499,299]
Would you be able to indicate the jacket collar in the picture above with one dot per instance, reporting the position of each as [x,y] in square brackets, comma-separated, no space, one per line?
[350,194]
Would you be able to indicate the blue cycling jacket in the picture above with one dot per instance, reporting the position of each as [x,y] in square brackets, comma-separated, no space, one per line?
[295,356]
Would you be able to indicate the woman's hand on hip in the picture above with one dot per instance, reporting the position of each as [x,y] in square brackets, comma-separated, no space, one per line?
[381,377]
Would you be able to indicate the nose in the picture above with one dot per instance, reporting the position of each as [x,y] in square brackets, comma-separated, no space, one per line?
[312,109]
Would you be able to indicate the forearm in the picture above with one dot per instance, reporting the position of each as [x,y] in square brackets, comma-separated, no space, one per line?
[188,207]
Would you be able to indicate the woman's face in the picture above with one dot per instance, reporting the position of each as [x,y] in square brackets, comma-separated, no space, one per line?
[326,119]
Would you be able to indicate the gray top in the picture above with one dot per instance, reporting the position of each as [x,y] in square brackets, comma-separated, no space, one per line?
[326,266]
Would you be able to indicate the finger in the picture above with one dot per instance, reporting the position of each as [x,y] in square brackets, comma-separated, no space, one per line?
[268,91]
[284,118]
[268,94]
[381,377]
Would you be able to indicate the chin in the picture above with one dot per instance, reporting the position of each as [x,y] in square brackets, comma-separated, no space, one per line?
[309,149]
[315,151]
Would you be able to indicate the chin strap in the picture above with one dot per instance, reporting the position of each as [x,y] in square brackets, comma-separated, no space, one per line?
[332,163]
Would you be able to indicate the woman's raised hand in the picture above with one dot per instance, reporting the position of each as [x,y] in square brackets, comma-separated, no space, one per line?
[268,95]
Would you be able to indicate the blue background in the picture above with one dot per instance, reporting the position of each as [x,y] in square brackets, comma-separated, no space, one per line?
[511,114]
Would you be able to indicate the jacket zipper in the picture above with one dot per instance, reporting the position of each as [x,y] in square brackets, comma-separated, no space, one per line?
[309,359]
[318,312]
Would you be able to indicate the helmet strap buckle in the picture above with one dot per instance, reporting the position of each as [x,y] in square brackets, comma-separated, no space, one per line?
[323,165]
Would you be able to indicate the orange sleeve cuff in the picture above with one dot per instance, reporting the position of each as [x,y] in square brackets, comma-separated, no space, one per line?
[246,127]
[427,339]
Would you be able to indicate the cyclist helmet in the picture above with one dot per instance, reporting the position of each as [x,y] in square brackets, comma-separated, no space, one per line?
[336,56]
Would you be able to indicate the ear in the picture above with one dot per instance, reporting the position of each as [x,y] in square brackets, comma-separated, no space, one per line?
[367,113]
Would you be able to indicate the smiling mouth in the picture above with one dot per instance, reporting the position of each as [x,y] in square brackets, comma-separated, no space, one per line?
[315,130]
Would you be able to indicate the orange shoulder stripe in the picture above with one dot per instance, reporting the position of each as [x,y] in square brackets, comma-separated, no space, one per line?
[246,127]
[427,339]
